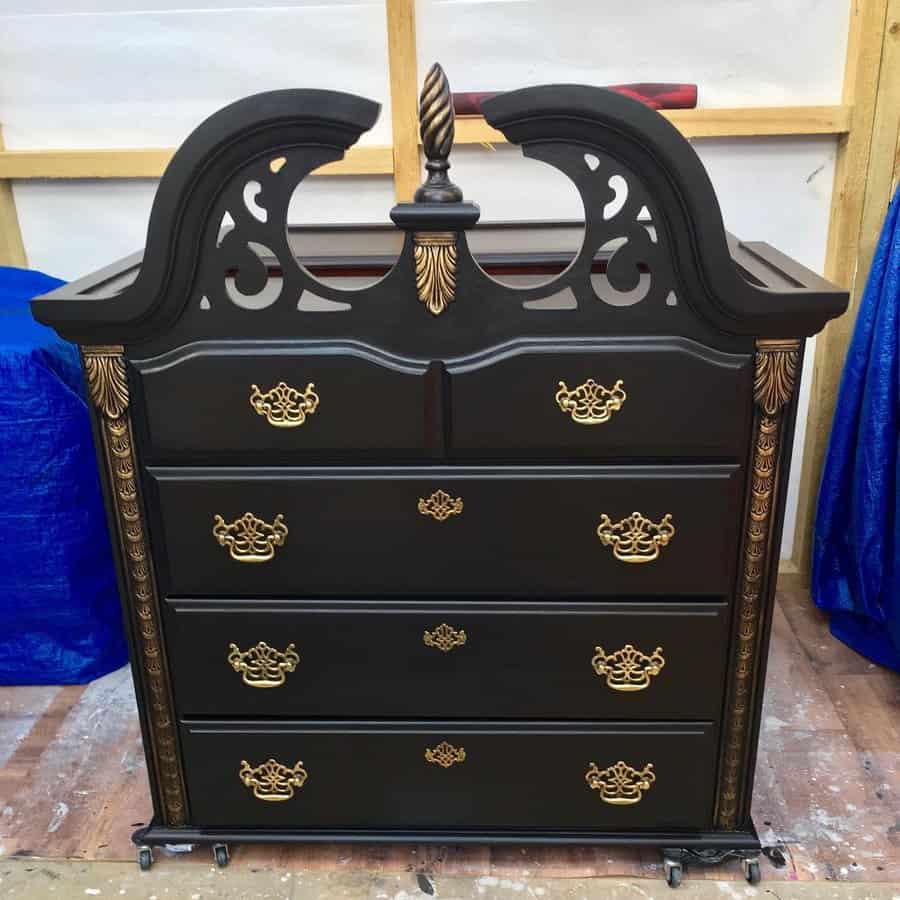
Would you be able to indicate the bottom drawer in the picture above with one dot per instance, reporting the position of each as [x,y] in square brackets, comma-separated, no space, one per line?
[370,775]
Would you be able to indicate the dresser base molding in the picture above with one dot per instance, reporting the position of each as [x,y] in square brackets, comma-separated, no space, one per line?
[737,841]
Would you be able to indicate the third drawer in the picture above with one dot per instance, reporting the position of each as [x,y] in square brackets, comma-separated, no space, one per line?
[638,660]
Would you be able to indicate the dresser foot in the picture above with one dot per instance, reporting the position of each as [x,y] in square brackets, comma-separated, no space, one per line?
[145,858]
[220,854]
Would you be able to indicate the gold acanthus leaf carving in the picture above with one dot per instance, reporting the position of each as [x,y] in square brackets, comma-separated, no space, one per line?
[620,784]
[106,378]
[273,781]
[776,370]
[434,254]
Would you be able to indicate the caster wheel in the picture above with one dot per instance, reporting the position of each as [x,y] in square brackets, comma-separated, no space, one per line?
[751,871]
[220,852]
[674,873]
[145,858]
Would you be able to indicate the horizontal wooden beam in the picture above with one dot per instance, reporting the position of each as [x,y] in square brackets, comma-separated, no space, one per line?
[150,163]
[763,121]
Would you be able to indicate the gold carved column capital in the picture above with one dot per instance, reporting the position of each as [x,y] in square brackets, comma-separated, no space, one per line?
[776,372]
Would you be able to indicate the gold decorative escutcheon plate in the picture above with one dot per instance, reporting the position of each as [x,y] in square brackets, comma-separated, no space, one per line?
[620,784]
[440,506]
[263,666]
[445,755]
[284,406]
[444,638]
[250,539]
[635,539]
[590,403]
[272,781]
[628,669]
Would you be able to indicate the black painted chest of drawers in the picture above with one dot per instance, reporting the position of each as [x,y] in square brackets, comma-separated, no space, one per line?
[441,558]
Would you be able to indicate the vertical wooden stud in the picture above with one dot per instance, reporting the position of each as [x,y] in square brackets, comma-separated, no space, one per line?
[401,28]
[12,250]
[852,232]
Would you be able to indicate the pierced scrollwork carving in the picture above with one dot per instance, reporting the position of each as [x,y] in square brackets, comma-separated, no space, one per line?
[440,506]
[284,406]
[590,403]
[273,781]
[434,254]
[445,755]
[444,638]
[250,539]
[773,387]
[108,387]
[628,669]
[636,539]
[263,666]
[620,784]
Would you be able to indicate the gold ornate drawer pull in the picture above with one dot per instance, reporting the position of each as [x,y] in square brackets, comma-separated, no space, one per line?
[440,506]
[445,755]
[284,406]
[590,403]
[635,539]
[444,638]
[263,666]
[249,539]
[620,785]
[272,781]
[628,669]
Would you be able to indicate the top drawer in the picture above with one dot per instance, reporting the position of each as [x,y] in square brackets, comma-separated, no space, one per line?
[641,398]
[280,403]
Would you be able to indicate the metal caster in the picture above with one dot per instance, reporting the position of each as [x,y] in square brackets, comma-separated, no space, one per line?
[220,854]
[751,870]
[145,858]
[674,873]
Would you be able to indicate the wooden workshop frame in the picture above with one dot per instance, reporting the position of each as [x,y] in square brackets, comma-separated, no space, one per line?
[866,124]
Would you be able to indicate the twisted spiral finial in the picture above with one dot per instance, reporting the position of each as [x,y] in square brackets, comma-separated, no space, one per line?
[436,119]
[436,125]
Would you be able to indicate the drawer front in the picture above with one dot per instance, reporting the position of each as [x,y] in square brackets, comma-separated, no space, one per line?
[462,660]
[669,398]
[238,406]
[582,530]
[449,775]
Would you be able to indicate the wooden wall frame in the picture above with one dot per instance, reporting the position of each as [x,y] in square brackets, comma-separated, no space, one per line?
[866,124]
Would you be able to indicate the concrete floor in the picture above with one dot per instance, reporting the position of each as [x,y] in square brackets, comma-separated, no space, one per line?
[40,879]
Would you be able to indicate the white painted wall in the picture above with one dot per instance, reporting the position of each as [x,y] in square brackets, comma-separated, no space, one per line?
[143,73]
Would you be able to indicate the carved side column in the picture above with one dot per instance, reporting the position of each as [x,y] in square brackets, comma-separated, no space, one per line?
[773,386]
[108,387]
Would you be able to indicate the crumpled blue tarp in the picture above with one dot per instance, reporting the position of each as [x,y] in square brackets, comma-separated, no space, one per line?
[856,550]
[60,619]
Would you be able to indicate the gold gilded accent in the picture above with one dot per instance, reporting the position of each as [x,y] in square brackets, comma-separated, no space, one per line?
[272,781]
[635,539]
[108,389]
[590,403]
[620,784]
[773,386]
[435,258]
[284,406]
[628,669]
[436,117]
[444,638]
[445,755]
[440,506]
[263,666]
[250,539]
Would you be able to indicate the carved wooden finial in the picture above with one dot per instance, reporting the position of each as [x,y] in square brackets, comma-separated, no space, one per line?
[436,125]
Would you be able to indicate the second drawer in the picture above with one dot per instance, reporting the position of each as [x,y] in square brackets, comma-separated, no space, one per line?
[458,660]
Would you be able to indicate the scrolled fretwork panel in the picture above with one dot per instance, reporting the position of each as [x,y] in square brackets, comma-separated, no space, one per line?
[773,388]
[104,368]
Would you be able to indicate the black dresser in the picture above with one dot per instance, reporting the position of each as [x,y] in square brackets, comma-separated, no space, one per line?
[445,558]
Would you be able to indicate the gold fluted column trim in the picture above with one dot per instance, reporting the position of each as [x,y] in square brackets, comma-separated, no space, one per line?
[104,368]
[773,387]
